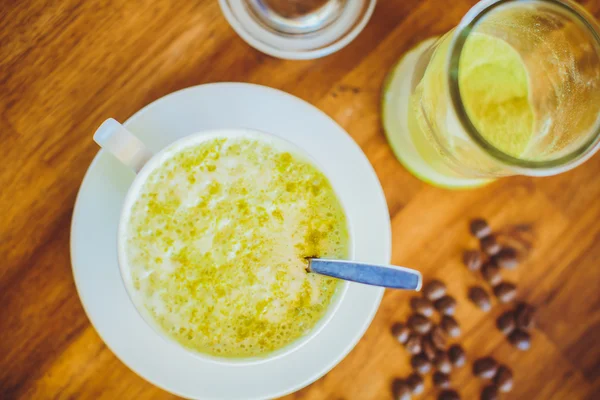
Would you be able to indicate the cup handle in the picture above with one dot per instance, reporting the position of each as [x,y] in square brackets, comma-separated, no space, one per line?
[122,144]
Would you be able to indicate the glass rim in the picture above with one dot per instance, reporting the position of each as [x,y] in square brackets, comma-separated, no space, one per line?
[463,30]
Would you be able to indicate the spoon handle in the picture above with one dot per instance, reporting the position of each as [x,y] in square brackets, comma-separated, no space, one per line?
[371,274]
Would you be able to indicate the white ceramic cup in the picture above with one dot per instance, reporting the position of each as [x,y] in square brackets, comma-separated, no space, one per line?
[128,149]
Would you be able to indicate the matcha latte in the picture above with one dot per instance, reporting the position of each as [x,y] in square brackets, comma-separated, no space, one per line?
[216,242]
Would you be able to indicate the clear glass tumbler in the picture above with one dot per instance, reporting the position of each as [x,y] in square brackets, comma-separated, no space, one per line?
[514,89]
[297,29]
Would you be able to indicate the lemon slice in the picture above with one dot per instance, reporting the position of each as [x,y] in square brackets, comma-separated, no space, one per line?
[494,86]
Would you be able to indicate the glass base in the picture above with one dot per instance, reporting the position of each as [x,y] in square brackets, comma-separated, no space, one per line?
[282,29]
[396,94]
[296,16]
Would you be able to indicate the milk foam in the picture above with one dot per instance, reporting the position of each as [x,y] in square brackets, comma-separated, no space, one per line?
[217,240]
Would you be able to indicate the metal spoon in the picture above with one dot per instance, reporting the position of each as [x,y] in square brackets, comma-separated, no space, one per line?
[388,276]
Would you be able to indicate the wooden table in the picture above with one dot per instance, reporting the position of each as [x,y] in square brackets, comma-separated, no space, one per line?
[67,65]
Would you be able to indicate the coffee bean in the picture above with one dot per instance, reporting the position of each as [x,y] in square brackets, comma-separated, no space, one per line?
[448,395]
[450,326]
[457,355]
[401,390]
[489,245]
[441,380]
[438,337]
[442,362]
[504,379]
[480,298]
[400,332]
[491,273]
[506,322]
[434,290]
[520,339]
[416,383]
[428,348]
[419,324]
[524,316]
[505,292]
[479,228]
[473,259]
[490,392]
[413,344]
[420,363]
[506,258]
[422,305]
[485,368]
[445,305]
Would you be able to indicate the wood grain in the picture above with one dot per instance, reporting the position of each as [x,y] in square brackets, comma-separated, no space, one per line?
[66,66]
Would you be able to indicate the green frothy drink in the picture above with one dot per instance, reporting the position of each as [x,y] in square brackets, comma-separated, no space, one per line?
[217,242]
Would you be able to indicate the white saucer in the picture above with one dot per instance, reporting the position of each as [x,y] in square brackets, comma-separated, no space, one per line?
[94,251]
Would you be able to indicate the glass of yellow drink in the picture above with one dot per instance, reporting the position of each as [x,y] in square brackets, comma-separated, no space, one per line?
[514,89]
